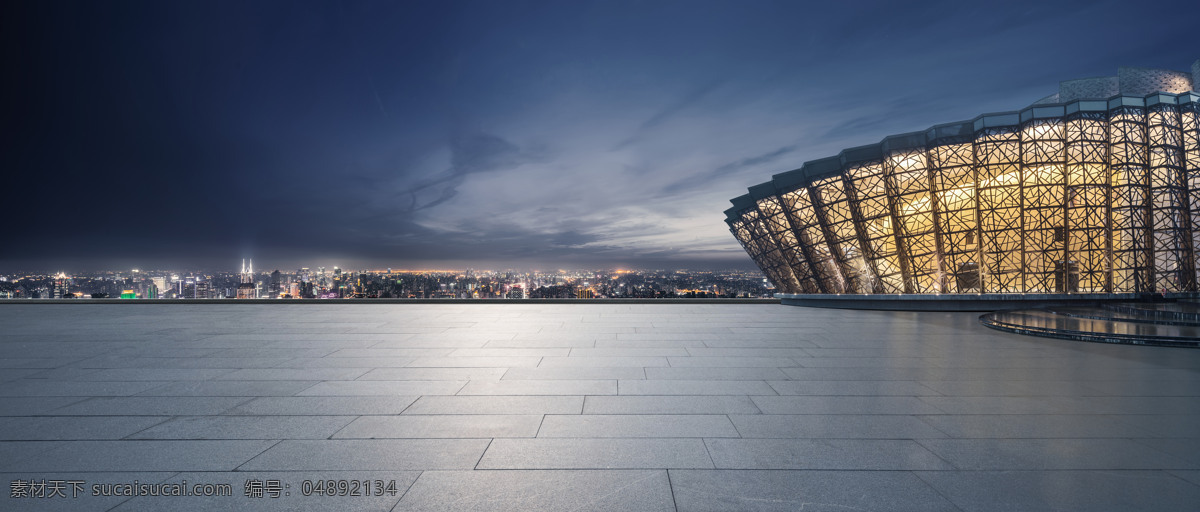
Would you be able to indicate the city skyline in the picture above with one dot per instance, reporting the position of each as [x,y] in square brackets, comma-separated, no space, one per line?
[337,283]
[487,134]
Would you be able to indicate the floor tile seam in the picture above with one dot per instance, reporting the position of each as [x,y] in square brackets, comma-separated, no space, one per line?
[671,486]
[130,498]
[343,427]
[1172,473]
[234,406]
[935,454]
[395,506]
[920,418]
[1194,463]
[934,488]
[165,420]
[259,454]
[943,411]
[708,453]
[483,453]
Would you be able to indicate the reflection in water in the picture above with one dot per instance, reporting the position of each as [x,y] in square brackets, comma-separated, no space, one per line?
[1173,324]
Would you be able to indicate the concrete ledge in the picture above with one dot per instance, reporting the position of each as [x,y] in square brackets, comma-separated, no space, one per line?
[963,302]
[389,301]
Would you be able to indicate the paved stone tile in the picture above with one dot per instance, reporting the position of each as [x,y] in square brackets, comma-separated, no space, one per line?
[35,362]
[230,362]
[391,352]
[731,362]
[74,428]
[628,352]
[595,454]
[850,388]
[840,454]
[782,353]
[510,352]
[1192,476]
[295,374]
[551,342]
[384,387]
[324,405]
[540,387]
[651,341]
[1183,448]
[374,454]
[709,373]
[149,406]
[474,362]
[129,455]
[155,374]
[426,341]
[1044,426]
[694,387]
[843,426]
[1018,388]
[81,500]
[1182,426]
[10,374]
[14,454]
[669,405]
[281,352]
[602,361]
[246,427]
[639,425]
[38,387]
[723,490]
[1179,387]
[1036,491]
[858,377]
[803,340]
[457,374]
[497,405]
[843,405]
[290,499]
[347,362]
[413,426]
[519,491]
[837,374]
[230,388]
[1053,454]
[574,373]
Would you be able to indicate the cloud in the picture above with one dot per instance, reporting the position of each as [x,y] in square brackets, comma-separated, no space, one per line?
[704,180]
[470,153]
[666,113]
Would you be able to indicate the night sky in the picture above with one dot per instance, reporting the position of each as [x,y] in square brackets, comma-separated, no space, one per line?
[448,134]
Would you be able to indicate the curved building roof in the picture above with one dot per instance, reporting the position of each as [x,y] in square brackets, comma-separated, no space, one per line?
[1134,136]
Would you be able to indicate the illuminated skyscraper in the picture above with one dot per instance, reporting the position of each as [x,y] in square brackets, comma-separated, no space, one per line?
[245,289]
[1093,189]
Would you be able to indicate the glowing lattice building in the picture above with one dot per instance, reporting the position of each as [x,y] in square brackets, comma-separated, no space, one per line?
[1095,189]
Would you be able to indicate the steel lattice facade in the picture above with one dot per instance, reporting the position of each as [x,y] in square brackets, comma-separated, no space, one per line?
[1070,195]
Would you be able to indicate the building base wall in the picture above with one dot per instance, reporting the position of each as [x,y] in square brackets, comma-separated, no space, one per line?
[968,302]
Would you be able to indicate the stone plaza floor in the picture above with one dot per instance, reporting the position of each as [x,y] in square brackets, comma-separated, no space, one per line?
[527,406]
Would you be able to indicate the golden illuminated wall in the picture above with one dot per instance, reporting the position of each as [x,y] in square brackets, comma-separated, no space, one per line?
[1094,196]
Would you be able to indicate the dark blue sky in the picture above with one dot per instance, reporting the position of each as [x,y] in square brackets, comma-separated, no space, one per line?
[496,133]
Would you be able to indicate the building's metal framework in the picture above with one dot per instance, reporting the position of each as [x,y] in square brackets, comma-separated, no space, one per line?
[1087,196]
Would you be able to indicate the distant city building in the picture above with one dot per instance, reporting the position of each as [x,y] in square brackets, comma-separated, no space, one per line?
[1093,189]
[61,283]
[276,281]
[245,288]
[203,290]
